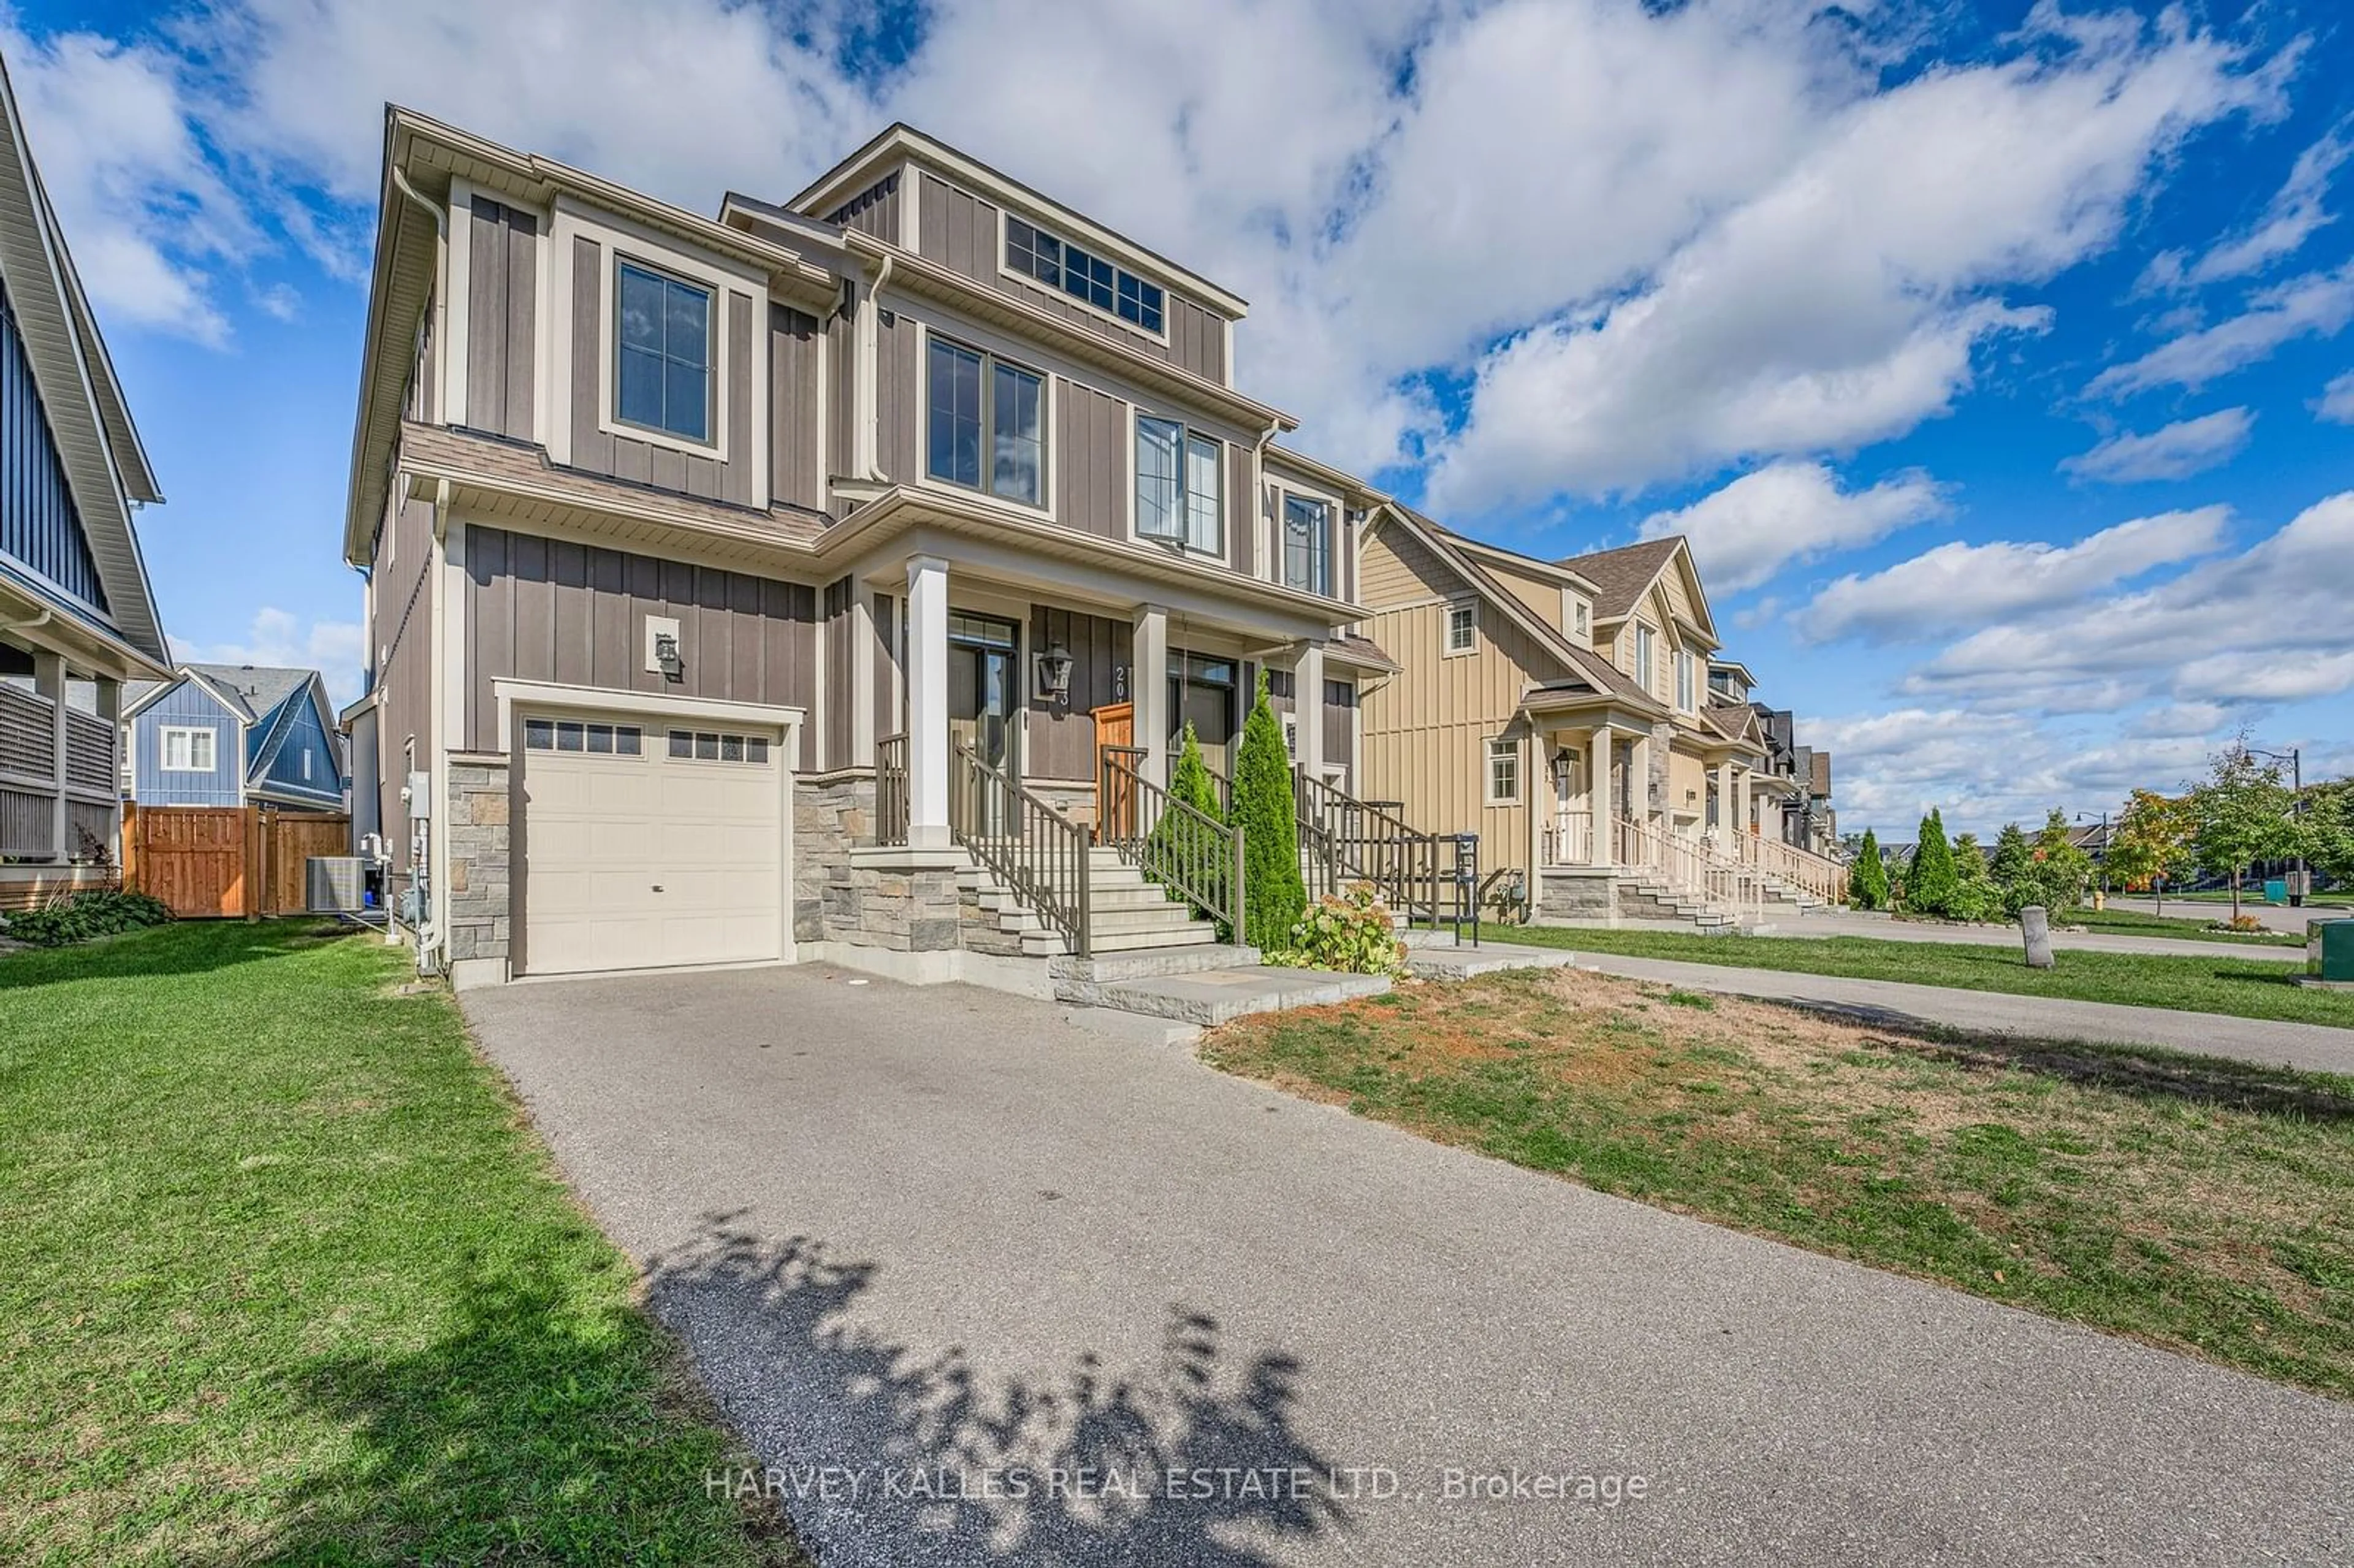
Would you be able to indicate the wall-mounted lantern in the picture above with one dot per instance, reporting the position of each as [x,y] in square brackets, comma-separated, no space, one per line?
[666,655]
[1055,674]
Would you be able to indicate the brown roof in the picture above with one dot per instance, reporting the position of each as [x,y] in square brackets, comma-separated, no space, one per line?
[1358,649]
[1820,784]
[1620,576]
[1727,721]
[495,459]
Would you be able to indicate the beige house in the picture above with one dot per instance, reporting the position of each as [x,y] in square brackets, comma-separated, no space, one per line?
[1563,711]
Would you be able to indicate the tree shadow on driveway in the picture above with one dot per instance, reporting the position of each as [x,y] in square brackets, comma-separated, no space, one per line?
[882,1455]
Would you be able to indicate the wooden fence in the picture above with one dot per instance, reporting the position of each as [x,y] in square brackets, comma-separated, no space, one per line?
[227,860]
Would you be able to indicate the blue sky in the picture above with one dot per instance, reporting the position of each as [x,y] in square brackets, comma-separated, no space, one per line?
[1987,352]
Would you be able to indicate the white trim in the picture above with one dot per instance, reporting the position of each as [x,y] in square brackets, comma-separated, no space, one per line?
[555,326]
[1446,648]
[1489,756]
[1063,295]
[923,478]
[554,696]
[1335,520]
[1187,430]
[211,733]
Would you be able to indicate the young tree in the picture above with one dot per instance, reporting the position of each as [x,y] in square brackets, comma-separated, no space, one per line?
[2241,814]
[1975,897]
[1929,888]
[1183,844]
[2062,870]
[2013,871]
[2150,844]
[1867,879]
[1274,896]
[2328,828]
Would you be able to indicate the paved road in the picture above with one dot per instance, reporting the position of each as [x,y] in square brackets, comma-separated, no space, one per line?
[952,1228]
[2312,1046]
[1823,922]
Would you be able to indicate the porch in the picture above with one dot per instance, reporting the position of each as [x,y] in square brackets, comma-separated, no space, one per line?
[60,782]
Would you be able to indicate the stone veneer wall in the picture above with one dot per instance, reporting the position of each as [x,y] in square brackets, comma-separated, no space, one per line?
[829,816]
[906,909]
[480,805]
[1577,894]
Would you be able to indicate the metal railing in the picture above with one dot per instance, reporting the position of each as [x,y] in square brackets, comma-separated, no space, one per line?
[891,789]
[1040,855]
[1429,878]
[1194,856]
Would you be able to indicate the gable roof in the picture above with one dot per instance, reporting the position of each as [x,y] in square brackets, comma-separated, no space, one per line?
[106,468]
[1620,576]
[1586,668]
[259,689]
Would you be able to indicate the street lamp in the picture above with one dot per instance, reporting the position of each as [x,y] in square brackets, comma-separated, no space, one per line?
[2295,758]
[2104,862]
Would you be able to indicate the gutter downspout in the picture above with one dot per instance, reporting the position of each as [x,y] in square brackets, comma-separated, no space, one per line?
[870,467]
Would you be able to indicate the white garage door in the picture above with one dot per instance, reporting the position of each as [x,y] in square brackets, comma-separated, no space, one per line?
[645,847]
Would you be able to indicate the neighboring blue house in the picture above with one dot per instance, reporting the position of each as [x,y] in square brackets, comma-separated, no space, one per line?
[234,735]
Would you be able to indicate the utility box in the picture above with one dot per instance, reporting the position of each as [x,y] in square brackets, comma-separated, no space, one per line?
[2329,951]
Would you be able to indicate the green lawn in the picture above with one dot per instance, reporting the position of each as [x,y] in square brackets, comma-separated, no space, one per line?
[2193,928]
[285,1277]
[2205,1206]
[2244,988]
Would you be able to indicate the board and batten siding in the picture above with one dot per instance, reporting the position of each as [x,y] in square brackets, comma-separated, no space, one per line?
[298,758]
[40,527]
[561,610]
[1425,732]
[899,398]
[742,361]
[1341,726]
[797,459]
[1061,742]
[503,293]
[839,628]
[960,231]
[1091,460]
[401,645]
[874,211]
[187,706]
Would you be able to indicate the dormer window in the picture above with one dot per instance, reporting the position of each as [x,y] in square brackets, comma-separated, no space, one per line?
[1083,276]
[663,380]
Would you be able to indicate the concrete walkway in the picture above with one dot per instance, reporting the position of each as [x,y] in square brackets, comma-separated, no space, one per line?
[2310,1047]
[2276,916]
[931,1248]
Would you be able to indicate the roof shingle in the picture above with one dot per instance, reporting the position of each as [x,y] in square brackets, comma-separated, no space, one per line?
[1620,576]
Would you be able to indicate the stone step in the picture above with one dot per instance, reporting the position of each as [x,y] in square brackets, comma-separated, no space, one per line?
[1148,965]
[1198,934]
[1213,996]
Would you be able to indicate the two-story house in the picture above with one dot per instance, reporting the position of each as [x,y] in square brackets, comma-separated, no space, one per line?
[77,617]
[732,582]
[1792,793]
[233,734]
[1562,711]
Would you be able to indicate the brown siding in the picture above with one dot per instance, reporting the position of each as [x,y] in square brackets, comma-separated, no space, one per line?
[401,640]
[1062,742]
[839,628]
[647,462]
[961,233]
[501,288]
[1339,714]
[841,394]
[898,398]
[875,210]
[1091,460]
[1241,510]
[796,445]
[886,662]
[557,610]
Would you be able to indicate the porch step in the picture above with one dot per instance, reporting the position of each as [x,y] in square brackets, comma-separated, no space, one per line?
[1150,965]
[1215,996]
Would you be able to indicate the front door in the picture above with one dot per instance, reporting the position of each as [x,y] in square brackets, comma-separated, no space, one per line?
[1571,811]
[982,695]
[1204,691]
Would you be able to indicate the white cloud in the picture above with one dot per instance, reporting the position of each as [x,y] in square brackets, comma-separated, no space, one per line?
[1956,585]
[2317,304]
[1746,533]
[2294,215]
[145,212]
[2177,720]
[2336,404]
[2267,624]
[2172,452]
[336,649]
[1845,300]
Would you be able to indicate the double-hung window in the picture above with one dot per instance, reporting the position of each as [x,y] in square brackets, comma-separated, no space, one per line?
[972,394]
[1306,543]
[1463,627]
[1643,657]
[187,750]
[663,375]
[1180,494]
[1683,680]
[1503,772]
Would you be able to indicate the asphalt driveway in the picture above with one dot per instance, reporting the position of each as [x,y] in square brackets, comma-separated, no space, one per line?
[982,1284]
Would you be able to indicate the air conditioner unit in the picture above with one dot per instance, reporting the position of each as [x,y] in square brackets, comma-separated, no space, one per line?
[336,885]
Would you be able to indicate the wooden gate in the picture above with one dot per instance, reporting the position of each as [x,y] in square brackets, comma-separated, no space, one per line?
[227,860]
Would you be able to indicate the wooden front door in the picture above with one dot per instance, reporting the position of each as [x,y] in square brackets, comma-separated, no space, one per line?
[1115,807]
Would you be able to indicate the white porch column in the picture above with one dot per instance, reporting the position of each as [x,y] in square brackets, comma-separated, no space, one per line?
[1727,824]
[1308,702]
[1148,689]
[1740,792]
[1638,777]
[928,703]
[49,681]
[1600,811]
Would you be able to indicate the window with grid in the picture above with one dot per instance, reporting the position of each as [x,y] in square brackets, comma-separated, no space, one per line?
[1083,276]
[1180,493]
[1462,627]
[1503,772]
[1308,543]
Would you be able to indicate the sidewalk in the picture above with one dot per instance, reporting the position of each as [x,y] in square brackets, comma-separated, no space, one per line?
[1824,923]
[2311,1047]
